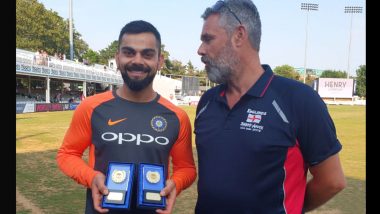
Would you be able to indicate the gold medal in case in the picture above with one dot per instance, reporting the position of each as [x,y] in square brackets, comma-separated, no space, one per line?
[153,177]
[118,176]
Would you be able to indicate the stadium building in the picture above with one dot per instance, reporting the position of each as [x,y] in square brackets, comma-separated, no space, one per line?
[54,84]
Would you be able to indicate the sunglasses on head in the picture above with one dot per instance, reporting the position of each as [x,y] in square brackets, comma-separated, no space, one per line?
[219,4]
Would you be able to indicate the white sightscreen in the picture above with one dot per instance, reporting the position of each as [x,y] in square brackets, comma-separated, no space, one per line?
[335,87]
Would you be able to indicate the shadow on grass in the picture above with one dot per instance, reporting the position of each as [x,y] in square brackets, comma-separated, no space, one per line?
[31,135]
[22,210]
[39,179]
[25,118]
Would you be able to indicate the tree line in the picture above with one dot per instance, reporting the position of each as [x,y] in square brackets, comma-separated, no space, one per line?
[40,29]
[290,72]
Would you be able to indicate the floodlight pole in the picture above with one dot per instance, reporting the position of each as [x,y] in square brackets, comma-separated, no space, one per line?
[71,29]
[351,10]
[307,7]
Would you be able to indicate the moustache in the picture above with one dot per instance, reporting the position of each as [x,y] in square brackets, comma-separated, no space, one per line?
[205,59]
[135,67]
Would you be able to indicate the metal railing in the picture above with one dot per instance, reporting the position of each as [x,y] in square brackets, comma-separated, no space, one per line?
[63,69]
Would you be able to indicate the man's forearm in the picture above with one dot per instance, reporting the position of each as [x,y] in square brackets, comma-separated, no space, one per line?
[317,194]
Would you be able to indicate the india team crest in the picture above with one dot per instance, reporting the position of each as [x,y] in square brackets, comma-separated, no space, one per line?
[158,123]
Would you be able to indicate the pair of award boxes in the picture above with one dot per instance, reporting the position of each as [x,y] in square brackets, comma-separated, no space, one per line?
[119,180]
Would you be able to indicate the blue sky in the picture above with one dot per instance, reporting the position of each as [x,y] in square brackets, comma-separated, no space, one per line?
[283,28]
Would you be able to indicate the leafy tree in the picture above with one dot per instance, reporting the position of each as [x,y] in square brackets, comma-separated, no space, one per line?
[92,56]
[190,70]
[177,68]
[27,29]
[287,71]
[333,74]
[202,77]
[361,81]
[167,66]
[80,46]
[309,80]
[108,53]
[39,28]
[164,52]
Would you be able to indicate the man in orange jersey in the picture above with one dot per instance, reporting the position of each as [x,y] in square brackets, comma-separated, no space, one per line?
[130,124]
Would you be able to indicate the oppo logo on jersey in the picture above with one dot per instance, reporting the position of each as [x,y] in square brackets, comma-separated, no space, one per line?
[138,138]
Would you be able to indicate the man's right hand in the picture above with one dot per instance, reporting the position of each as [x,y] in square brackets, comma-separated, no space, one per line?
[98,189]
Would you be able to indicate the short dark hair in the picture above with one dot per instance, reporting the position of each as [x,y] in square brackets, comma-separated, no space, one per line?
[141,26]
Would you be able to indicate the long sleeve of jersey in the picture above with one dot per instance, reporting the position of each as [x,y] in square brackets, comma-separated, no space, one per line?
[77,139]
[184,172]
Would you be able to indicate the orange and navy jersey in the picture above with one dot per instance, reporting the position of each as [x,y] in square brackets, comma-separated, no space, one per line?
[118,130]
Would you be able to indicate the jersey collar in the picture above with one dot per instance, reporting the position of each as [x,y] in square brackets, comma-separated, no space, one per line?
[259,88]
[262,84]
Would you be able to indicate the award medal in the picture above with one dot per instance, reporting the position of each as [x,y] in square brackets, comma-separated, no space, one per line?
[118,176]
[153,177]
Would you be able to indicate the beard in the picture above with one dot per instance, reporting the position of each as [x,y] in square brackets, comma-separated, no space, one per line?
[136,84]
[219,69]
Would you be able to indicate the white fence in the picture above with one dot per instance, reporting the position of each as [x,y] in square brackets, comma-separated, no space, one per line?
[64,69]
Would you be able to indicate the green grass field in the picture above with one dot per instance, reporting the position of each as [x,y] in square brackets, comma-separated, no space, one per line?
[44,187]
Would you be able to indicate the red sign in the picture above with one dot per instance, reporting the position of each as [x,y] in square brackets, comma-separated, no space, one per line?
[42,107]
[56,107]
